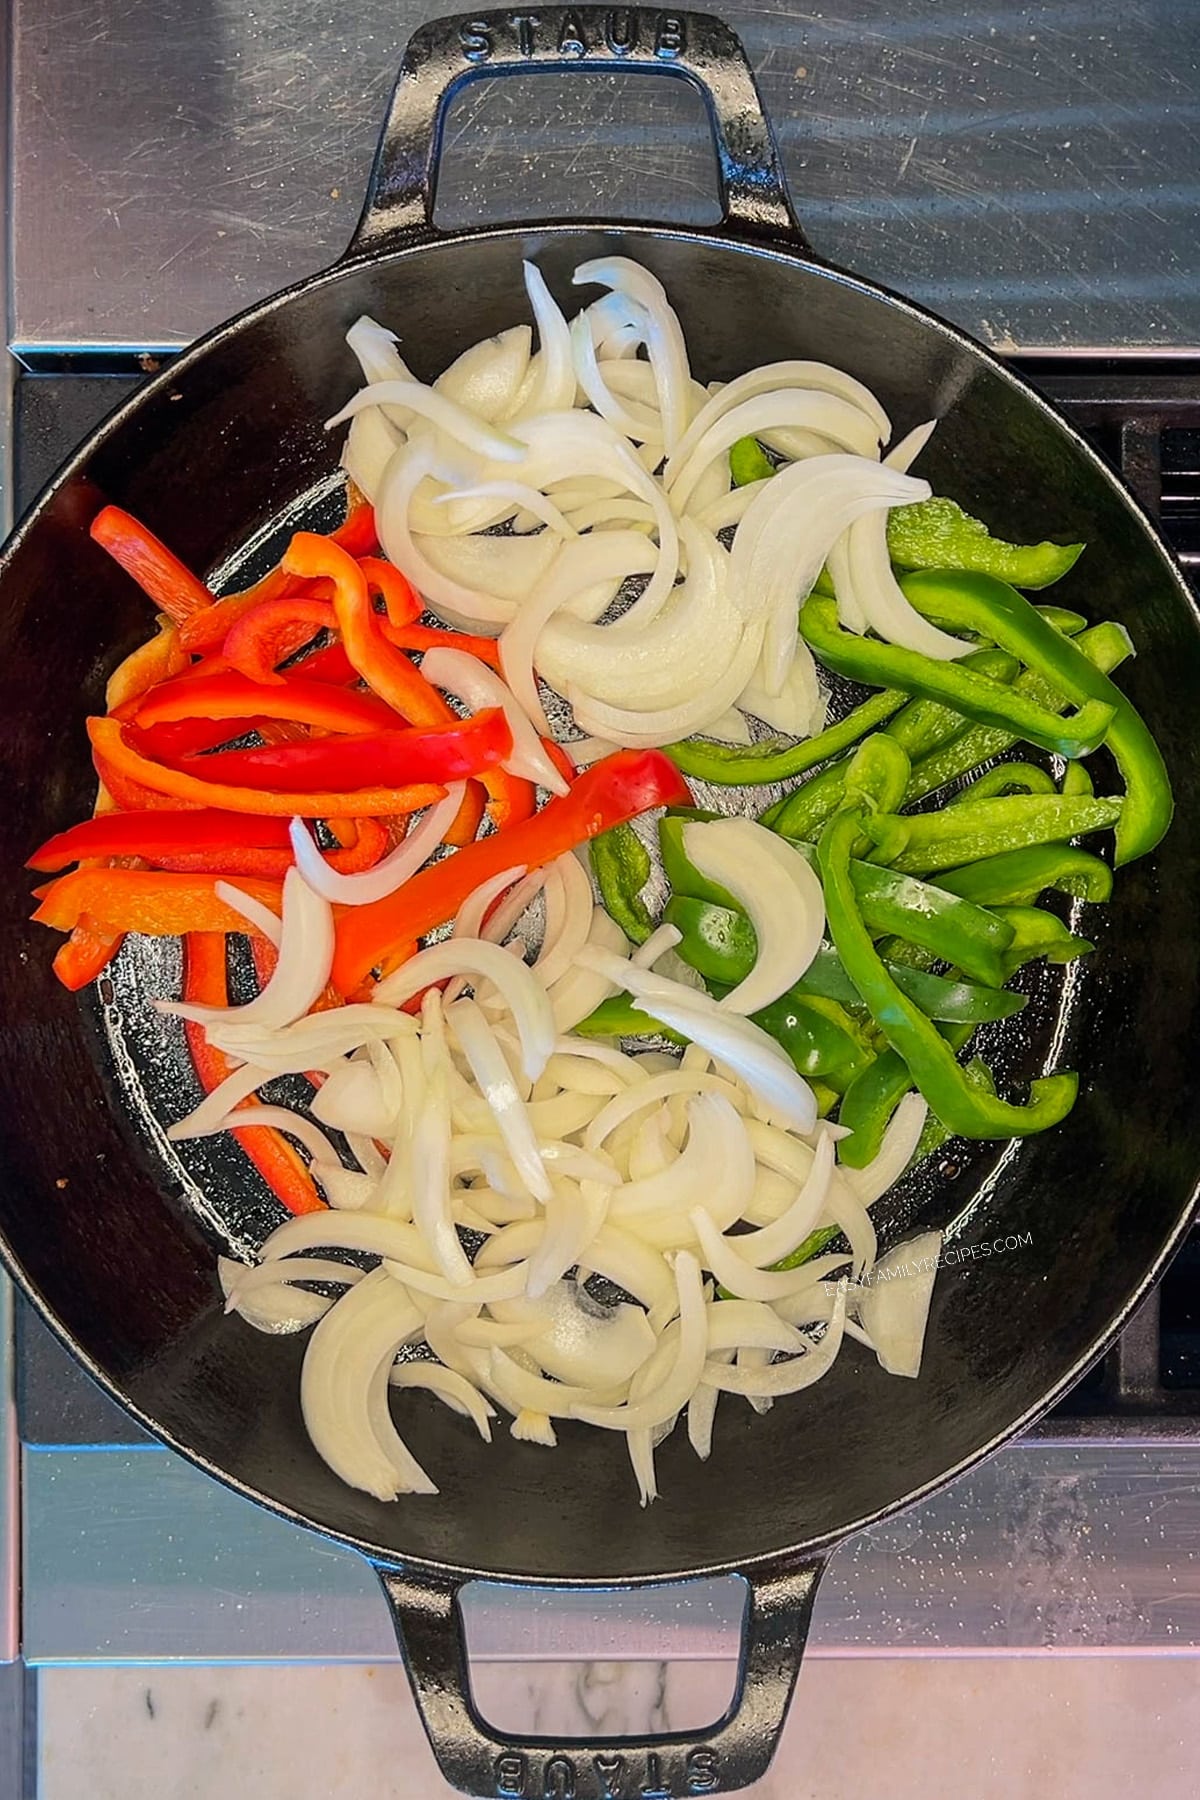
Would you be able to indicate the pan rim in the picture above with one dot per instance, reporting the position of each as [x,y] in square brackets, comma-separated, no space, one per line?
[805,1550]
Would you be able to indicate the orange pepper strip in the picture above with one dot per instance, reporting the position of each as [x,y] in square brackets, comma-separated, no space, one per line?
[386,670]
[431,637]
[399,596]
[362,852]
[157,570]
[147,900]
[282,1168]
[271,632]
[510,797]
[87,952]
[112,753]
[467,818]
[157,660]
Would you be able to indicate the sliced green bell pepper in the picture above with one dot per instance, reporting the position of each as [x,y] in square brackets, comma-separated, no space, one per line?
[922,843]
[1009,778]
[621,865]
[819,1036]
[778,759]
[748,462]
[981,603]
[872,1097]
[938,534]
[973,695]
[1017,877]
[1038,934]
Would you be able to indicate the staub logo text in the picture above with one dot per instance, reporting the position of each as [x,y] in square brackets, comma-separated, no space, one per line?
[577,32]
[605,1775]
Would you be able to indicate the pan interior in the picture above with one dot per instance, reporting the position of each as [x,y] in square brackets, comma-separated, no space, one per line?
[116,1233]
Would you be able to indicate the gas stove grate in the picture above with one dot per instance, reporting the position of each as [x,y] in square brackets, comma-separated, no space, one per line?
[1144,416]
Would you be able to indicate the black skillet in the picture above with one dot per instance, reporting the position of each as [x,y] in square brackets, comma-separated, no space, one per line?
[114,1238]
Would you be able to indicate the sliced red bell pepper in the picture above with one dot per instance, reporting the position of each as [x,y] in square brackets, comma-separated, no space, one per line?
[357,535]
[152,833]
[191,737]
[146,900]
[510,798]
[232,696]
[157,570]
[119,764]
[432,637]
[386,670]
[610,792]
[86,953]
[359,853]
[269,633]
[206,981]
[560,759]
[442,753]
[330,664]
[402,602]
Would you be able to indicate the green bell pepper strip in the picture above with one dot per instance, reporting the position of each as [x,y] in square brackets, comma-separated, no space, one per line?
[1008,778]
[877,774]
[923,843]
[621,865]
[720,945]
[1038,934]
[679,869]
[1106,645]
[968,693]
[1069,623]
[820,1038]
[981,602]
[872,1097]
[1017,877]
[919,728]
[748,462]
[938,534]
[931,1061]
[1076,779]
[775,759]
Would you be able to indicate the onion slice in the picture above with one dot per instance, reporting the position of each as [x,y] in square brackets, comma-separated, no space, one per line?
[410,854]
[777,888]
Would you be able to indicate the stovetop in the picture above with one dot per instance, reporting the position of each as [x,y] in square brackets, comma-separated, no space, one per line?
[1028,170]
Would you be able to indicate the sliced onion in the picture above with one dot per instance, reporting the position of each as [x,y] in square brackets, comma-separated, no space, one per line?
[533,1428]
[788,1377]
[486,379]
[747,1283]
[343,1389]
[732,507]
[663,336]
[281,1118]
[568,918]
[352,1099]
[305,959]
[209,1117]
[346,1189]
[731,728]
[717,1161]
[580,991]
[523,993]
[554,387]
[470,919]
[429,1176]
[843,424]
[410,854]
[368,1232]
[254,911]
[787,534]
[899,1145]
[478,686]
[580,1342]
[378,358]
[776,1241]
[770,378]
[311,1042]
[272,1304]
[904,454]
[370,444]
[453,1389]
[777,888]
[523,1391]
[894,1308]
[672,1394]
[799,708]
[643,425]
[441,411]
[478,1043]
[573,1217]
[661,940]
[854,1222]
[649,729]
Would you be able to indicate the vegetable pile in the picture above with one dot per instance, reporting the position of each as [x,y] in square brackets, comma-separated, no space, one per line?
[593,1133]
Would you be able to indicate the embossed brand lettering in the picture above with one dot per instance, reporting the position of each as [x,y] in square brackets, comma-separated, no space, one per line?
[703,1767]
[559,1782]
[476,40]
[670,36]
[610,1770]
[570,37]
[524,24]
[621,30]
[654,1788]
[510,1775]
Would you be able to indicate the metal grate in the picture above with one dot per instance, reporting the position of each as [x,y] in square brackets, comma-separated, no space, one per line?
[1144,415]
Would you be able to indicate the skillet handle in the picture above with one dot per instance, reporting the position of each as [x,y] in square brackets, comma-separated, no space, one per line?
[481,1761]
[445,55]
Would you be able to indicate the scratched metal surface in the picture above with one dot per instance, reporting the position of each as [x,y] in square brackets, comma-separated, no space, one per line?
[1030,169]
[1043,1549]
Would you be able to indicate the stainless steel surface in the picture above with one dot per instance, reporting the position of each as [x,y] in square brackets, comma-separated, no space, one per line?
[1044,1548]
[1029,169]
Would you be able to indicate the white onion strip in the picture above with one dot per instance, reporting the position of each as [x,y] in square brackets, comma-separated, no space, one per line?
[411,853]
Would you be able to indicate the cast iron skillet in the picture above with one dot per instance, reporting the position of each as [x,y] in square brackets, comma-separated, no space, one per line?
[113,1238]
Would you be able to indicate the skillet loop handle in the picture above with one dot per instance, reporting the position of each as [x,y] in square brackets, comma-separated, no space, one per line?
[446,54]
[479,1760]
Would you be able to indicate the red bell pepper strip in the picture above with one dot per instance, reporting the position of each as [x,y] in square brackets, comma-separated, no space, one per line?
[330,664]
[205,980]
[360,853]
[612,791]
[269,633]
[86,953]
[560,759]
[152,833]
[510,798]
[431,637]
[232,696]
[357,534]
[386,670]
[402,602]
[157,570]
[118,762]
[146,900]
[191,737]
[443,753]
[161,657]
